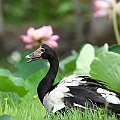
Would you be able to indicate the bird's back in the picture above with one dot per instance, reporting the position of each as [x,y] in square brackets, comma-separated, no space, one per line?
[79,91]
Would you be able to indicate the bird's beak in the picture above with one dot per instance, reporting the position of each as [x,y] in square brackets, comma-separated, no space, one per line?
[35,55]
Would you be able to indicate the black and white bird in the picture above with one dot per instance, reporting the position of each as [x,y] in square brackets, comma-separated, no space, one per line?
[74,90]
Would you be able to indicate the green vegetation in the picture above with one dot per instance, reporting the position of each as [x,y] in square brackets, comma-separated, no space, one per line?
[89,60]
[30,108]
[18,11]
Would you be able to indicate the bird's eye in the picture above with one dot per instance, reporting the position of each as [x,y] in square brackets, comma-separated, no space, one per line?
[42,50]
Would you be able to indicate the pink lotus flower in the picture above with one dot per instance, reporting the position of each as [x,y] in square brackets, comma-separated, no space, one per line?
[40,36]
[105,8]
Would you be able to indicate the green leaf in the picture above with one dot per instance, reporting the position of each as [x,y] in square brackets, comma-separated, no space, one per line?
[67,65]
[84,60]
[115,48]
[24,69]
[5,117]
[102,49]
[106,67]
[64,7]
[9,83]
[32,81]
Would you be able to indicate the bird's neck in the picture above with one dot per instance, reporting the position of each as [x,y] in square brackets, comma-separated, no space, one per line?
[46,83]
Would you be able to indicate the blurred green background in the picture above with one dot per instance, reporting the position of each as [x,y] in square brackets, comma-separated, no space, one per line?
[71,19]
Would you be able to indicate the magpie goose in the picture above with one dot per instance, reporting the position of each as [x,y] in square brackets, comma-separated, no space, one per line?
[74,90]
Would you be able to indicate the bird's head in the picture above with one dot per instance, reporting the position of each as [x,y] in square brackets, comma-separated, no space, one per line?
[44,52]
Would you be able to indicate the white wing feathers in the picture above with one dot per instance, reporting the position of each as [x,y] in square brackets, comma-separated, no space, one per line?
[72,80]
[110,97]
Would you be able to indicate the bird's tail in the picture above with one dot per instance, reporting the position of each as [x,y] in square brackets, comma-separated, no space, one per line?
[114,107]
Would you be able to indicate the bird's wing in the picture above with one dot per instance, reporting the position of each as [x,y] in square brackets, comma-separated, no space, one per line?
[91,92]
[82,95]
[78,91]
[75,80]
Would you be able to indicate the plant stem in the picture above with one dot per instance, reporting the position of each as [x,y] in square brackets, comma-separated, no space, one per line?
[115,25]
